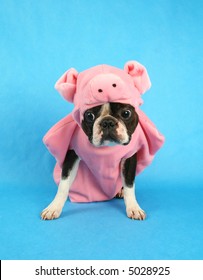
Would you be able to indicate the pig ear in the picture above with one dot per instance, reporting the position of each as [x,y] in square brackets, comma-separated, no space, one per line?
[139,74]
[66,85]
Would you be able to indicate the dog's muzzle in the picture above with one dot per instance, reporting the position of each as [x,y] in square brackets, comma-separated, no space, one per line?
[108,126]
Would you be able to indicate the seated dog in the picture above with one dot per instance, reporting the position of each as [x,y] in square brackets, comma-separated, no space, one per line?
[105,141]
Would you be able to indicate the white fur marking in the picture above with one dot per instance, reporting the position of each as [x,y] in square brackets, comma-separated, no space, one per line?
[97,132]
[54,209]
[133,209]
[122,133]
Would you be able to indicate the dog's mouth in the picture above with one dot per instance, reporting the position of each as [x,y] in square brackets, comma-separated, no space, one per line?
[109,134]
[109,139]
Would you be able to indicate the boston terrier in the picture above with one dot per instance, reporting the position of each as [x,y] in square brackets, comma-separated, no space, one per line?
[106,141]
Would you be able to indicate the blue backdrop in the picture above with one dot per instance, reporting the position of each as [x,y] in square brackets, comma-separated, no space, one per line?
[39,41]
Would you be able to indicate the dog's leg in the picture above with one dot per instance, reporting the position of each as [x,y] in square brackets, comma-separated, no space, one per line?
[120,194]
[69,171]
[133,209]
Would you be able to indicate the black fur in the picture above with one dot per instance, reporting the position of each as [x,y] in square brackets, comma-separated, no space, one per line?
[116,110]
[87,126]
[131,123]
[68,163]
[129,170]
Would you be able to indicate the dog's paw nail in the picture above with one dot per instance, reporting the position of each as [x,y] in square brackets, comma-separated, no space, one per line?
[50,213]
[136,214]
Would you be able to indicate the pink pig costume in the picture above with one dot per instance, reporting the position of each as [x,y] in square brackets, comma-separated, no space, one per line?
[98,176]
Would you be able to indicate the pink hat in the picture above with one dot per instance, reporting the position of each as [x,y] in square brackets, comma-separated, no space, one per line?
[102,84]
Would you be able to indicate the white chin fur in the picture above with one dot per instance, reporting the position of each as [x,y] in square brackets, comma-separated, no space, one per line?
[123,137]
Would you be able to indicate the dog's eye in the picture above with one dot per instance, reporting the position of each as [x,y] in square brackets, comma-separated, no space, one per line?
[89,116]
[126,114]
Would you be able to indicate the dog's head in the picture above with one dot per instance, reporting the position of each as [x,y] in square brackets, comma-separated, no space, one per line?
[105,100]
[110,124]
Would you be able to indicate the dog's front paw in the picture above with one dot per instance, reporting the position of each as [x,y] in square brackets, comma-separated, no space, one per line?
[53,211]
[135,213]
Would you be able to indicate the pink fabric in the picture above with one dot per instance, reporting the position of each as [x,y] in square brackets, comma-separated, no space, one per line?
[98,176]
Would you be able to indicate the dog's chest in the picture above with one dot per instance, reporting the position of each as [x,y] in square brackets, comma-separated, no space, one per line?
[104,161]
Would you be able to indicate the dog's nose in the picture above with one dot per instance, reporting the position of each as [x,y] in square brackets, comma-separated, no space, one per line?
[108,123]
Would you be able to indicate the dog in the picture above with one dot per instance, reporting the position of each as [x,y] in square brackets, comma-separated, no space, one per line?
[100,133]
[106,125]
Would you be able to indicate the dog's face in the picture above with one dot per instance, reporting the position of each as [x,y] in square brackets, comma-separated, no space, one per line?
[109,124]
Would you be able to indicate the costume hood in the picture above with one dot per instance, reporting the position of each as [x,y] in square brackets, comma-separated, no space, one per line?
[102,84]
[98,177]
